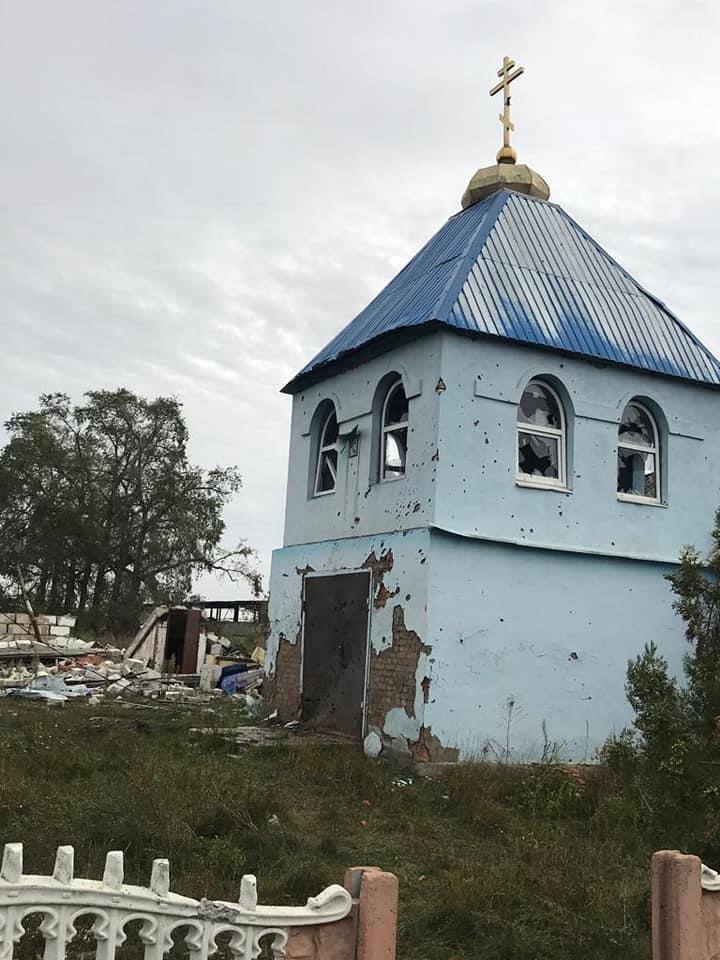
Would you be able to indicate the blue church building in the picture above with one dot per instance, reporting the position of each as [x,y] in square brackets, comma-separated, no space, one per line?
[492,469]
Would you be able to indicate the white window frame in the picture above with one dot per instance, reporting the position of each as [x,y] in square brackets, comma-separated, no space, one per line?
[394,428]
[559,434]
[654,449]
[322,449]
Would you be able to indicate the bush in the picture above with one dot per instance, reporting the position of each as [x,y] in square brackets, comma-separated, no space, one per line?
[670,760]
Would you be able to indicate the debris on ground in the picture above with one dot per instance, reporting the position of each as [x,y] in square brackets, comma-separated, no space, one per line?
[49,687]
[245,737]
[60,667]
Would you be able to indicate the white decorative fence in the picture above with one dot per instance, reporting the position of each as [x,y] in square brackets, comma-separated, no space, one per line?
[62,900]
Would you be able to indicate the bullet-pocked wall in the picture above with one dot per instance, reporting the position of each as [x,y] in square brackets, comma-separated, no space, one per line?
[502,616]
[530,646]
[477,489]
[397,652]
[360,505]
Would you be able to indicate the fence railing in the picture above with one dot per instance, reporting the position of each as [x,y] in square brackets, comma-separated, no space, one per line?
[357,921]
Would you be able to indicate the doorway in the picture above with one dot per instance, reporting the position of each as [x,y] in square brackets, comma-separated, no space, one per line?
[336,612]
[182,641]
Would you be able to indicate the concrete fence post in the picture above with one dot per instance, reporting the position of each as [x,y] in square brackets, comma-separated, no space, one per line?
[677,921]
[377,895]
[367,932]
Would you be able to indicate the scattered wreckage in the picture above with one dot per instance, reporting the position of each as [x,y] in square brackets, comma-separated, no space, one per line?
[59,667]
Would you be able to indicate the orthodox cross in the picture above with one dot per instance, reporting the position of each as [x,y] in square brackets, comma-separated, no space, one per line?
[508,72]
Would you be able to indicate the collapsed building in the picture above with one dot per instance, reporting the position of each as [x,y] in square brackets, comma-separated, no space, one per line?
[492,469]
[182,638]
[19,637]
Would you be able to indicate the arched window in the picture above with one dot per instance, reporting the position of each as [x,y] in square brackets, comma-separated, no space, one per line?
[638,466]
[541,436]
[327,458]
[394,435]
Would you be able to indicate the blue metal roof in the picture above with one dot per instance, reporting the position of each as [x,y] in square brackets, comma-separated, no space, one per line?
[520,268]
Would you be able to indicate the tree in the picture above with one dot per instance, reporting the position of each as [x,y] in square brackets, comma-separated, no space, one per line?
[103,512]
[671,756]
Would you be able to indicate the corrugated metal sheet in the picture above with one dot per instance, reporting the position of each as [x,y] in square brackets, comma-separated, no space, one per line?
[522,269]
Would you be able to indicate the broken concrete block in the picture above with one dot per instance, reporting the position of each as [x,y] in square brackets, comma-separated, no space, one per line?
[120,686]
[209,676]
[66,622]
[22,618]
[132,667]
[61,630]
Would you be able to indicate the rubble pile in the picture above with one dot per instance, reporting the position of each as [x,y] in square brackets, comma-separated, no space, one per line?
[18,637]
[62,667]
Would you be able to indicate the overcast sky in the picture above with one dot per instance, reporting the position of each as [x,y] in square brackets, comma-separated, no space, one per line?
[196,196]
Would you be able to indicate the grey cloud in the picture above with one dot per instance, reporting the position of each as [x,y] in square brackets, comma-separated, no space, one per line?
[195,197]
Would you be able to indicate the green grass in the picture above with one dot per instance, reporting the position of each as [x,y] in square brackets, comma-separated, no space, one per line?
[495,862]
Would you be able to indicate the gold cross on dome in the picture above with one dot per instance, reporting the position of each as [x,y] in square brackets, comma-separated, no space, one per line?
[508,72]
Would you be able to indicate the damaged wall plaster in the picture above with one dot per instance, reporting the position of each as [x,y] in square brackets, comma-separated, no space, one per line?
[504,636]
[393,679]
[397,566]
[476,489]
[510,644]
[361,506]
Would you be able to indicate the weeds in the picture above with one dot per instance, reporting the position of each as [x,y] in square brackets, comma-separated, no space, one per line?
[495,861]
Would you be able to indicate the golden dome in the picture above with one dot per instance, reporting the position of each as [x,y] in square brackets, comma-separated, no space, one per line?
[505,175]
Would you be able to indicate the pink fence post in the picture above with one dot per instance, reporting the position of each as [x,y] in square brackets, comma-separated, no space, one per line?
[677,922]
[377,914]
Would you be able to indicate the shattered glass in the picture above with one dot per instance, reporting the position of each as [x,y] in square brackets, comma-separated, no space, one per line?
[395,453]
[539,407]
[637,473]
[539,456]
[396,408]
[637,427]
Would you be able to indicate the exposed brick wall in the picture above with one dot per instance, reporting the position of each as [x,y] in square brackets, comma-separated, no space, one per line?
[17,626]
[428,749]
[282,690]
[393,672]
[392,681]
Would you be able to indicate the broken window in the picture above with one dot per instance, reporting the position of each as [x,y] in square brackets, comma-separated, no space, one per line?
[326,472]
[394,433]
[541,436]
[638,469]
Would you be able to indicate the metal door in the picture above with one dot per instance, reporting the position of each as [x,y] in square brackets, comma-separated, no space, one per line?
[335,651]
